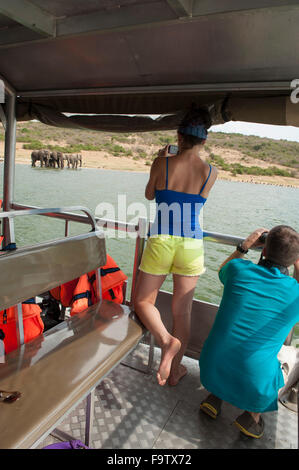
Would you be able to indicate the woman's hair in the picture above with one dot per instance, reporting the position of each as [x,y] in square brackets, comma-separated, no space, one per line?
[194,127]
[282,245]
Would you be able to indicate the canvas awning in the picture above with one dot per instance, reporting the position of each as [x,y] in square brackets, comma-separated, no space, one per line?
[101,61]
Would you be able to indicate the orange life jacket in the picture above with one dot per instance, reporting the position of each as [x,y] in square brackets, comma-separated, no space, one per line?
[32,322]
[82,297]
[112,280]
[65,292]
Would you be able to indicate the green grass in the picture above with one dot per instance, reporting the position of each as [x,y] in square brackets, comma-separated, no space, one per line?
[37,145]
[238,169]
[282,152]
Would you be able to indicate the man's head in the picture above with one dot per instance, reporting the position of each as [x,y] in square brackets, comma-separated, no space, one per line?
[282,245]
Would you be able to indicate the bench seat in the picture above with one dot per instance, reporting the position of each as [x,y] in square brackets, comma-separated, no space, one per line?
[55,371]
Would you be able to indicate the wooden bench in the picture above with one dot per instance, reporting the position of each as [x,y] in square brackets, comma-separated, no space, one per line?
[58,369]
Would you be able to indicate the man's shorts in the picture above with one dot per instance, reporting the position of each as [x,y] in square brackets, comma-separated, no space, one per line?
[165,254]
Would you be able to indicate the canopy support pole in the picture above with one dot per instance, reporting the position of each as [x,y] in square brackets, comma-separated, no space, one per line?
[9,165]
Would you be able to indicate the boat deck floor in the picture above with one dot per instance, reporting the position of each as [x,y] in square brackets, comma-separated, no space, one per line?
[133,412]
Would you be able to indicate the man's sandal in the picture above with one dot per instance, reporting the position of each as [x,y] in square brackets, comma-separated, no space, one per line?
[211,406]
[248,426]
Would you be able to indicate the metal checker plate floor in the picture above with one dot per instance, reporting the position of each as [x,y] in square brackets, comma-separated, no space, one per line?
[133,412]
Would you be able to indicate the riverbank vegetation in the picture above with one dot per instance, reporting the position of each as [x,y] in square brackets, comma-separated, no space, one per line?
[239,169]
[235,154]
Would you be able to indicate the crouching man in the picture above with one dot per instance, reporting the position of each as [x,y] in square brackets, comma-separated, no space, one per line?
[259,307]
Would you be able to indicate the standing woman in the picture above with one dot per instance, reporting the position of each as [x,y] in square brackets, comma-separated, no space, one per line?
[180,185]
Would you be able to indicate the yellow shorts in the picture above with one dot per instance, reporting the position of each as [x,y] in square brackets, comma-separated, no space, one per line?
[165,254]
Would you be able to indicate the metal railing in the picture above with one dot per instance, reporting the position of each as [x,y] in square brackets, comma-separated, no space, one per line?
[141,230]
[56,212]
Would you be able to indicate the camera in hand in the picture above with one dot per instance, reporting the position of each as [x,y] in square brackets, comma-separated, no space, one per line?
[262,238]
[172,150]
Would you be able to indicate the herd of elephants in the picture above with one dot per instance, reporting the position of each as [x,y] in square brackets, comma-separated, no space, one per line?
[55,159]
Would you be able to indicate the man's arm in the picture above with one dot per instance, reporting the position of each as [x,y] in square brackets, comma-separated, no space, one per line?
[251,241]
[235,254]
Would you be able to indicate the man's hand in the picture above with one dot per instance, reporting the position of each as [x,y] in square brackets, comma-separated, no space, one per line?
[252,241]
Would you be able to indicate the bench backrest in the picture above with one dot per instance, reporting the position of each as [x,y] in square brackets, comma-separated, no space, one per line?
[27,272]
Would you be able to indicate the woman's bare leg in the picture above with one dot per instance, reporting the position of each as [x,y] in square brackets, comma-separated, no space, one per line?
[147,289]
[183,291]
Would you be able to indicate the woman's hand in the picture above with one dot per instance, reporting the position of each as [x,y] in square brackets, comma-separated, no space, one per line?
[163,152]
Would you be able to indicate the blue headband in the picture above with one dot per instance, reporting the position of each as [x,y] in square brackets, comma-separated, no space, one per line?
[198,130]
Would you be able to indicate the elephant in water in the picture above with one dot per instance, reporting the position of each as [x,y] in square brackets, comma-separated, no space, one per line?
[74,159]
[44,156]
[60,159]
[34,157]
[67,159]
[79,158]
[40,155]
[53,159]
[56,158]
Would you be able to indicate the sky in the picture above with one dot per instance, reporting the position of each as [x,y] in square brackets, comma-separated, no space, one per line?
[261,130]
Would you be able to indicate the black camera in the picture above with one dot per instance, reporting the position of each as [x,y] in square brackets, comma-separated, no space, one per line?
[262,238]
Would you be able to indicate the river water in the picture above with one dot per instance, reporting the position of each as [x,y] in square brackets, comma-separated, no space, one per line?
[232,208]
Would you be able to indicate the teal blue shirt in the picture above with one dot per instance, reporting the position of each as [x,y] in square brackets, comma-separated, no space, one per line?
[238,362]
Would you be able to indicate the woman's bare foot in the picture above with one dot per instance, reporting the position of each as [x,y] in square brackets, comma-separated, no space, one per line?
[175,377]
[168,353]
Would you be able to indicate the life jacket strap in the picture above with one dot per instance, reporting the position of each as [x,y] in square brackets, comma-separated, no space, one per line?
[83,295]
[105,271]
[29,301]
[92,278]
[111,292]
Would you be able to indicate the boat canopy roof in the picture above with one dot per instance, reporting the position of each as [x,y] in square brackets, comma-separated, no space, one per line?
[111,64]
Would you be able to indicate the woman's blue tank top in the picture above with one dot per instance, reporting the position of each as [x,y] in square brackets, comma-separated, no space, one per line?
[177,213]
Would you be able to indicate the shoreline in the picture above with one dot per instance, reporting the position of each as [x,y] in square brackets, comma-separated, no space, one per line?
[97,160]
[222,175]
[136,154]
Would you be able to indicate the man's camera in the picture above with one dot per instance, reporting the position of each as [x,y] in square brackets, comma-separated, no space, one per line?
[262,238]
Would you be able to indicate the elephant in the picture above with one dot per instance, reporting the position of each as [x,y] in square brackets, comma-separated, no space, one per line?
[67,159]
[72,161]
[56,157]
[34,157]
[53,159]
[44,156]
[40,155]
[79,158]
[60,160]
